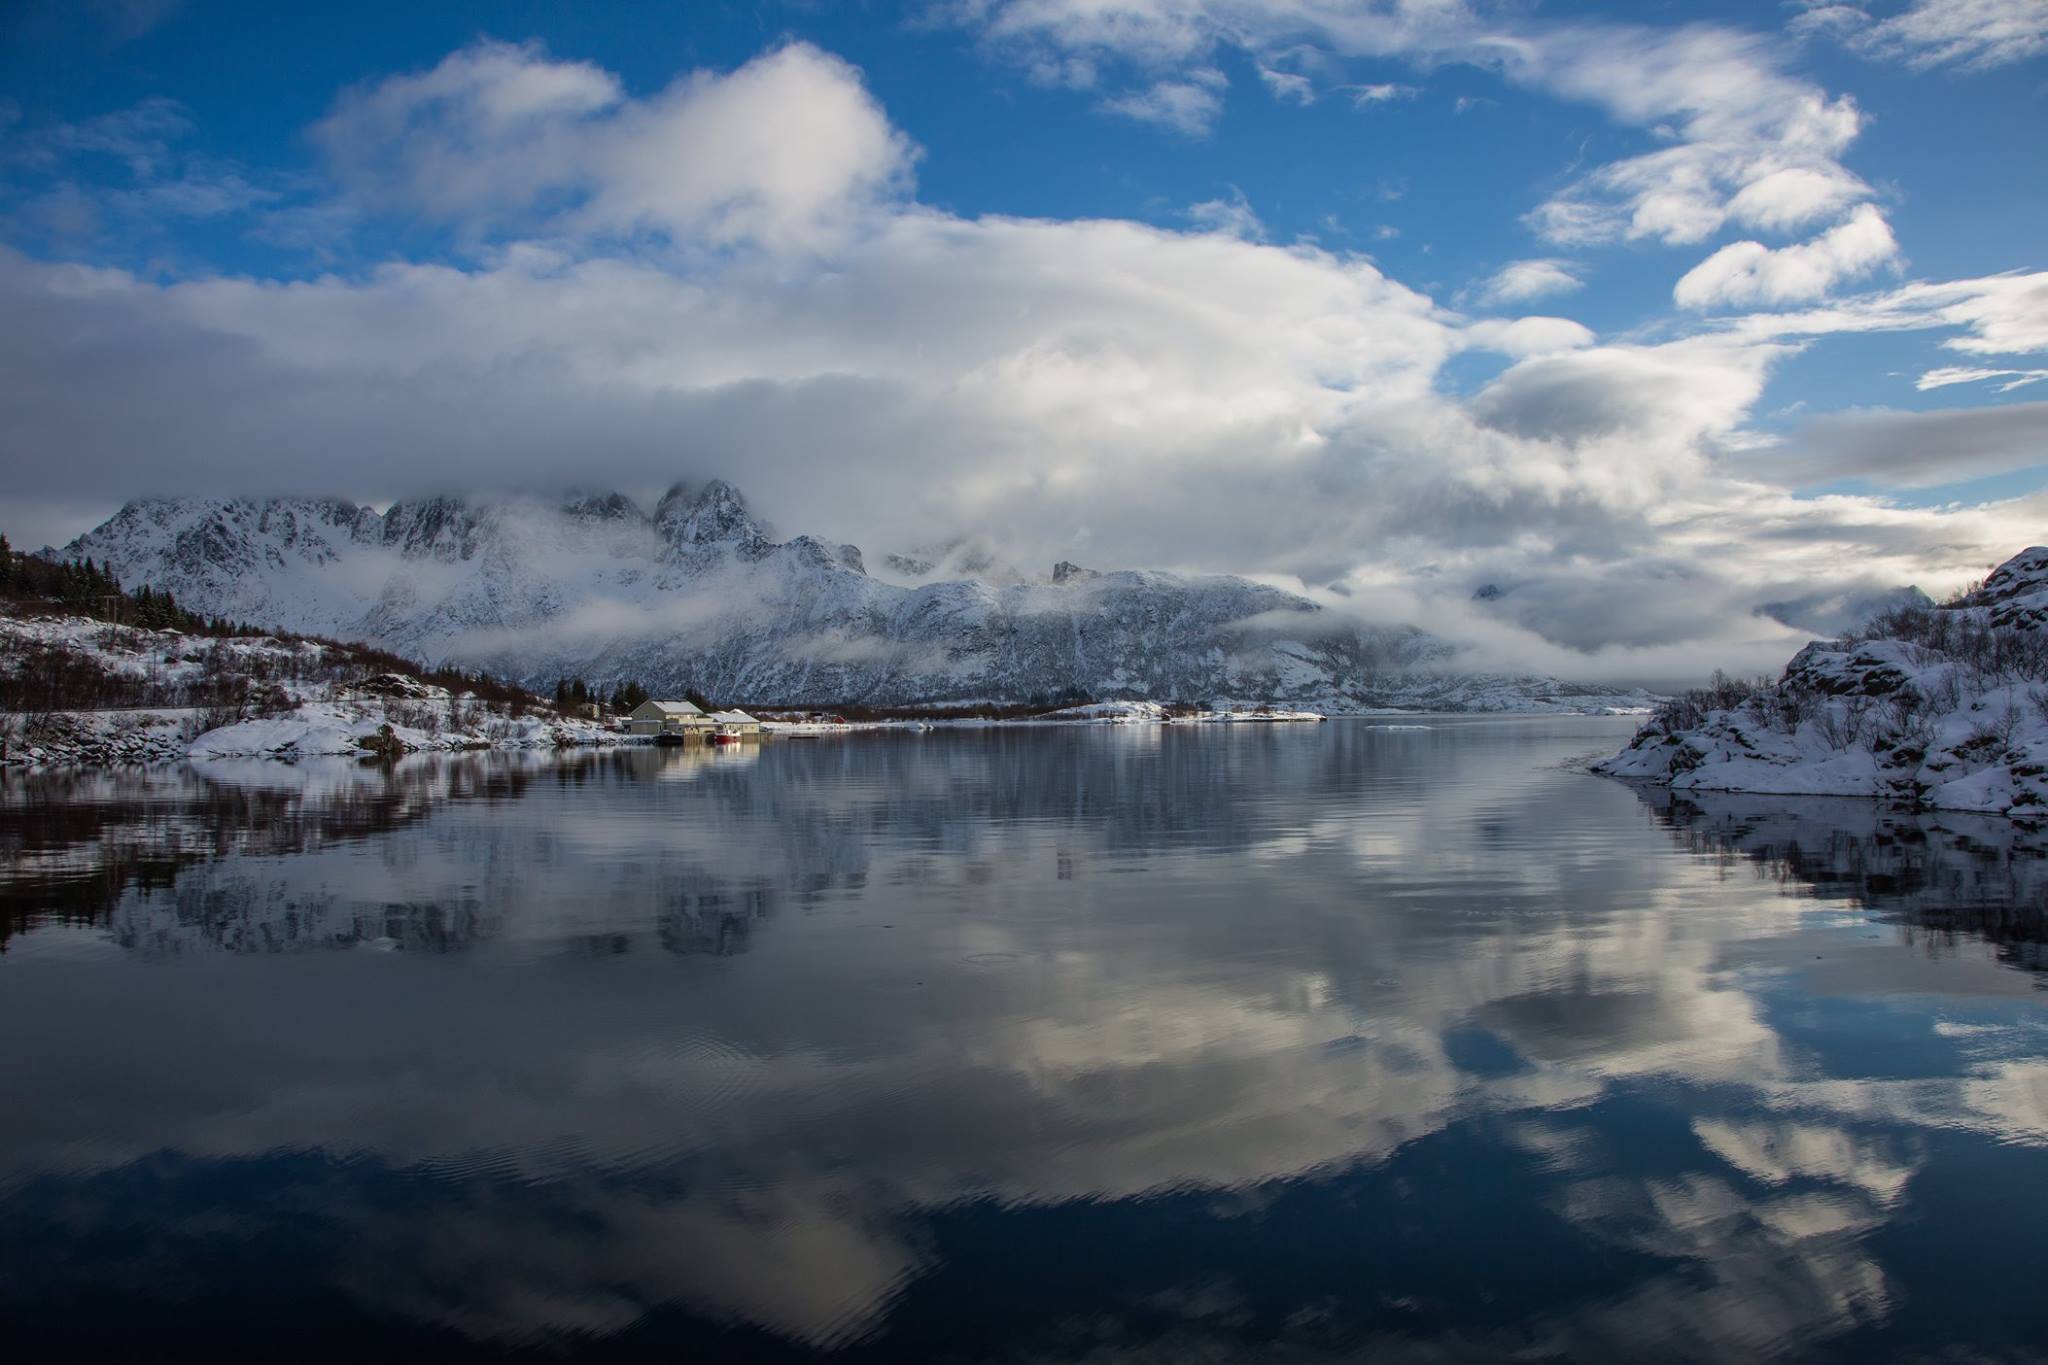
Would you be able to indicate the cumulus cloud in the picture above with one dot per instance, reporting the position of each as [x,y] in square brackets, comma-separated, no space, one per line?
[1750,272]
[784,152]
[1519,281]
[1529,336]
[1673,394]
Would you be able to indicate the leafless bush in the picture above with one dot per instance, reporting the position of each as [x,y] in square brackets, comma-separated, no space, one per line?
[2006,725]
[1842,726]
[1904,716]
[1690,709]
[1945,694]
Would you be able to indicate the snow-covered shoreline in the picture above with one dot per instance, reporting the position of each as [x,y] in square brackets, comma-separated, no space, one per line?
[289,702]
[1942,707]
[284,698]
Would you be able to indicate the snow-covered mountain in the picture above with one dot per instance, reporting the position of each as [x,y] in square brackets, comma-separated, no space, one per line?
[1944,707]
[698,595]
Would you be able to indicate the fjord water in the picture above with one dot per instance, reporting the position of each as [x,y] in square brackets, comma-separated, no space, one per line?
[1360,1040]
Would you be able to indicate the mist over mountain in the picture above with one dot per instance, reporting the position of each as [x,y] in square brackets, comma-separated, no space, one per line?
[697,594]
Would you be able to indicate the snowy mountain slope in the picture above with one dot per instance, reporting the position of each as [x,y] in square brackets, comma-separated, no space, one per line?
[1943,707]
[697,595]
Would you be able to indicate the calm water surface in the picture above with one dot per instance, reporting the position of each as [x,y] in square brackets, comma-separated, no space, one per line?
[1120,1044]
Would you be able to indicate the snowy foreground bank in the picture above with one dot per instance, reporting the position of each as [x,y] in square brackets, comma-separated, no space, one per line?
[311,730]
[238,696]
[345,727]
[1943,707]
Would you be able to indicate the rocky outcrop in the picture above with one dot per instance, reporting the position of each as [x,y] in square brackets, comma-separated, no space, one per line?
[1944,707]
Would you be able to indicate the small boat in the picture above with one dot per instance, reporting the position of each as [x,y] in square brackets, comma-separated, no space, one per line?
[723,735]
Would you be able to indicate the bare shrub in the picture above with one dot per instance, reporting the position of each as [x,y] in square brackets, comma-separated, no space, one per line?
[1690,709]
[1842,726]
[1904,716]
[1945,694]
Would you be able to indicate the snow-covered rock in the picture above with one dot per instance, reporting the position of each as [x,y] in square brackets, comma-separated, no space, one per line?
[316,729]
[1946,708]
[299,709]
[699,596]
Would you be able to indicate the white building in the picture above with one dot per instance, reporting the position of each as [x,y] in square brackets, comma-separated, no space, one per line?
[658,718]
[736,723]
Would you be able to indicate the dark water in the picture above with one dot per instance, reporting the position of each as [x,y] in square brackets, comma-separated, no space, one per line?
[1301,1043]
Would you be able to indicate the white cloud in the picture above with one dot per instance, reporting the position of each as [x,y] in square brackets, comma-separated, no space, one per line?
[1531,336]
[1752,273]
[1188,107]
[1233,215]
[1519,281]
[1995,314]
[1365,96]
[1783,199]
[785,151]
[1752,143]
[1969,34]
[1956,374]
[1674,395]
[1288,85]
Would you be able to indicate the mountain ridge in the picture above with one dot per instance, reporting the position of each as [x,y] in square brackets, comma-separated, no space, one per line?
[697,594]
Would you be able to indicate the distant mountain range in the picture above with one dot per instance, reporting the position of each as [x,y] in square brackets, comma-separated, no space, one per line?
[696,595]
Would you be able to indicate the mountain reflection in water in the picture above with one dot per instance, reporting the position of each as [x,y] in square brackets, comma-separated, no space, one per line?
[1124,1044]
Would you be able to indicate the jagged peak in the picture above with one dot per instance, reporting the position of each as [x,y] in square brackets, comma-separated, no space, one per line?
[417,524]
[600,506]
[714,514]
[1066,571]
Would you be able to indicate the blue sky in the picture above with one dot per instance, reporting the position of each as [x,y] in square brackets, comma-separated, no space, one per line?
[1739,298]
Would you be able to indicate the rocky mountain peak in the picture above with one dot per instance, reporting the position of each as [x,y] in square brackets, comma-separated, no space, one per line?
[440,527]
[714,515]
[2025,574]
[600,507]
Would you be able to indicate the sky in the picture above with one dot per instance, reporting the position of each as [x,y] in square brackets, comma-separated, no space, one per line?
[1684,325]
